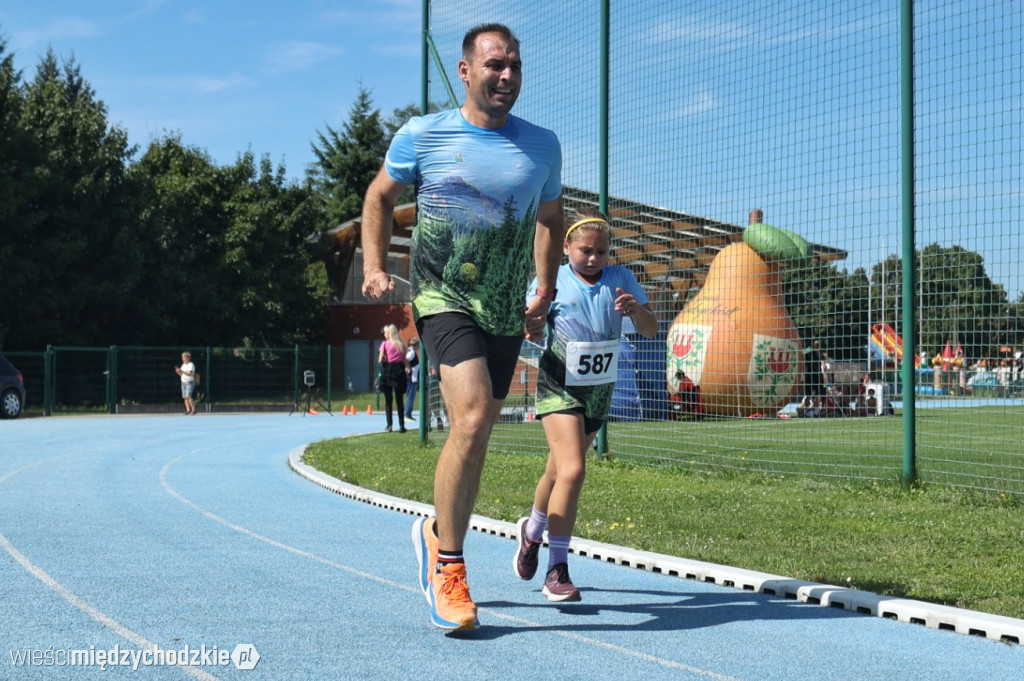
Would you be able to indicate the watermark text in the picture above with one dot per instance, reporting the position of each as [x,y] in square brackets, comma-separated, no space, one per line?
[243,656]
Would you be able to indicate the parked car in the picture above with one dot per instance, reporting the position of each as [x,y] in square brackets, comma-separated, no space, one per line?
[12,390]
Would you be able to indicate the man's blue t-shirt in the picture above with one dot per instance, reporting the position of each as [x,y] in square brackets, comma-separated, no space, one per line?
[478,193]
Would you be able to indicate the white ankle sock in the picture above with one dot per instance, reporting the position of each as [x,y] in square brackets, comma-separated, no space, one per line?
[558,550]
[536,525]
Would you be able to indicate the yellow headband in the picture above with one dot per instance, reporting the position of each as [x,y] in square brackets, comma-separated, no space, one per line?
[582,222]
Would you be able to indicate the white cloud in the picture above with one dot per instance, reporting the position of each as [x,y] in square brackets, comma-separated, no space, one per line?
[408,49]
[59,29]
[171,88]
[300,55]
[390,17]
[697,29]
[145,8]
[216,84]
[699,103]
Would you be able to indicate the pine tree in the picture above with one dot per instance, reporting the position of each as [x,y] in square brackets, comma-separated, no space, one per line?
[348,160]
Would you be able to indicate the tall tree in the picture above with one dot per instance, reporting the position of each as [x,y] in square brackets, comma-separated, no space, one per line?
[956,300]
[397,119]
[182,194]
[275,297]
[85,267]
[829,305]
[172,249]
[348,160]
[235,269]
[17,157]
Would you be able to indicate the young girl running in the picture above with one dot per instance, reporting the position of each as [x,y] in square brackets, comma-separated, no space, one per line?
[576,376]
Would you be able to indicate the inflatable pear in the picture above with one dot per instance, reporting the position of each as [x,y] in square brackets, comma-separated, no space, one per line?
[735,340]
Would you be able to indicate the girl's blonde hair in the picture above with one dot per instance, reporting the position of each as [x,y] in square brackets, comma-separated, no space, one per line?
[589,219]
[391,333]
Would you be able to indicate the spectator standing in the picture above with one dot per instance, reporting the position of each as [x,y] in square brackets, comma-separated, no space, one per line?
[828,373]
[813,379]
[412,358]
[395,371]
[871,404]
[187,372]
[686,403]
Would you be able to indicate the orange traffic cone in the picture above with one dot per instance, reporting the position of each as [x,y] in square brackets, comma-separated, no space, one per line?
[352,410]
[369,409]
[313,412]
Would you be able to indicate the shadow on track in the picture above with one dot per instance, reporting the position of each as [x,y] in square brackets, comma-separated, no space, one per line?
[669,611]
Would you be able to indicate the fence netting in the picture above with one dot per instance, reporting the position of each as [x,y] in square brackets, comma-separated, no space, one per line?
[792,108]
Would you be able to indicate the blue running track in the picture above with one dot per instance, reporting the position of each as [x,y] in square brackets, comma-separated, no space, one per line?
[125,533]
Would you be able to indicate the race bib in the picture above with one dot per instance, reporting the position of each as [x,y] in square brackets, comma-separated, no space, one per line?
[591,363]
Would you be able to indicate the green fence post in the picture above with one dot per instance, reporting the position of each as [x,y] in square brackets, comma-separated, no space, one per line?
[452,99]
[48,381]
[602,434]
[330,377]
[207,395]
[295,379]
[908,274]
[112,380]
[425,61]
[423,392]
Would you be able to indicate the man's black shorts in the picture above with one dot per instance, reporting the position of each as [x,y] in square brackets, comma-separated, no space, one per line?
[452,338]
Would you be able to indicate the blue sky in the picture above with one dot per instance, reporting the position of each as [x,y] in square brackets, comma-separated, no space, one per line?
[791,106]
[228,75]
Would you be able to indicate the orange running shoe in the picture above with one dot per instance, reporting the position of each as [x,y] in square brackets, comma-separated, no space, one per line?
[424,542]
[450,604]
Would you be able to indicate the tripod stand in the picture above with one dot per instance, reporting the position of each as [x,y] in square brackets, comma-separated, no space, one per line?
[309,398]
[309,378]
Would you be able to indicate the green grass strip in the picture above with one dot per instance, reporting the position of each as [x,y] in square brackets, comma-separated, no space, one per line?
[941,545]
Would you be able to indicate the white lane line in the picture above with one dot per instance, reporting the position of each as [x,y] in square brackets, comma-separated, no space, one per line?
[81,604]
[670,664]
[267,540]
[25,468]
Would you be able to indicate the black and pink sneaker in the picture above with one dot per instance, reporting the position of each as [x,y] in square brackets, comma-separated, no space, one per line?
[524,563]
[558,587]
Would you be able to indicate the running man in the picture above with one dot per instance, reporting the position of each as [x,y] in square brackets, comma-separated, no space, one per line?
[488,195]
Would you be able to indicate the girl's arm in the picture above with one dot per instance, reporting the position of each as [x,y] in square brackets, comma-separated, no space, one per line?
[643,318]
